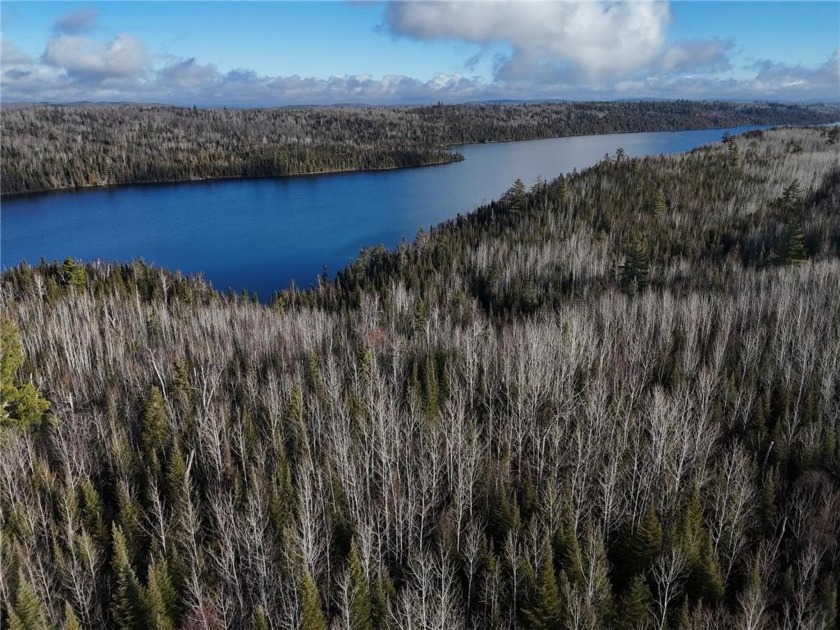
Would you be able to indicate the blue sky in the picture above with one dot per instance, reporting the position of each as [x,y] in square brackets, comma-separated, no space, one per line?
[281,53]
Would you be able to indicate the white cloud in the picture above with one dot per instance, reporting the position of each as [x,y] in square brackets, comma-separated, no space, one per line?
[77,68]
[697,55]
[124,56]
[775,77]
[591,39]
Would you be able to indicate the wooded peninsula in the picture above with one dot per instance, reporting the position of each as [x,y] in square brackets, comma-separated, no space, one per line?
[609,401]
[65,147]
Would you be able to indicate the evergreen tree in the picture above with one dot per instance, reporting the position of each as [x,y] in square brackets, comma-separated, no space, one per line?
[795,252]
[71,622]
[20,404]
[516,196]
[312,614]
[73,274]
[360,602]
[634,605]
[129,606]
[544,612]
[28,611]
[154,422]
[163,598]
[635,272]
[381,593]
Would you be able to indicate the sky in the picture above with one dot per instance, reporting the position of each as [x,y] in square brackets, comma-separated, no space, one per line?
[243,54]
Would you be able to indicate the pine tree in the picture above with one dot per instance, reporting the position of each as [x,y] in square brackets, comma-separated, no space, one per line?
[154,430]
[635,272]
[312,614]
[360,602]
[20,403]
[71,622]
[382,592]
[93,511]
[634,605]
[162,596]
[544,612]
[28,611]
[73,274]
[795,252]
[129,605]
[659,204]
[260,620]
[516,196]
[646,543]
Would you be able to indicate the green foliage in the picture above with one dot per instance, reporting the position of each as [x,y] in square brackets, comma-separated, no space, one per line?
[360,614]
[163,598]
[635,271]
[28,610]
[795,253]
[154,428]
[634,605]
[545,610]
[129,604]
[515,197]
[312,614]
[21,405]
[73,273]
[71,622]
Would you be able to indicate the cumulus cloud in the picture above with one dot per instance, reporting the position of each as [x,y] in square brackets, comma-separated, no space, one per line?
[776,77]
[11,55]
[81,21]
[706,55]
[124,56]
[560,59]
[592,39]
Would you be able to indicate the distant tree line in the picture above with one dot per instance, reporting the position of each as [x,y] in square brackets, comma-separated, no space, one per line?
[611,401]
[61,147]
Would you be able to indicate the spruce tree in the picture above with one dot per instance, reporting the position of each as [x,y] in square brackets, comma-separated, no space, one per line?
[544,611]
[360,602]
[129,606]
[28,611]
[71,622]
[163,598]
[154,430]
[634,605]
[635,272]
[20,403]
[312,614]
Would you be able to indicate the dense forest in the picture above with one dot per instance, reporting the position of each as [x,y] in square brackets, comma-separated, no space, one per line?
[610,401]
[59,147]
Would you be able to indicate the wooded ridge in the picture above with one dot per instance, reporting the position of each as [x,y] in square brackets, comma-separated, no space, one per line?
[610,401]
[62,147]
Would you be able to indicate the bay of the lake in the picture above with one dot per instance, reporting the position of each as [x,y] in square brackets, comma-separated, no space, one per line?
[260,235]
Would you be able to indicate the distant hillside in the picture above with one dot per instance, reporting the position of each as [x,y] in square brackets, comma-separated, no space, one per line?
[62,147]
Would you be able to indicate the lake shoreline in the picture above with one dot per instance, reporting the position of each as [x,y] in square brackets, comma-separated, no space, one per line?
[224,178]
[457,157]
[263,234]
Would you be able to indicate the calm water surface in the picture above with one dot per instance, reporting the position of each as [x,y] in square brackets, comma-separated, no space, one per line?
[260,235]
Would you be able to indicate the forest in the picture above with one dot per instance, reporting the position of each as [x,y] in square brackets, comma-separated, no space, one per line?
[608,401]
[60,147]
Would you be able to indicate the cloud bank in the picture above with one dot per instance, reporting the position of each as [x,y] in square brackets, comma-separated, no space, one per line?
[592,50]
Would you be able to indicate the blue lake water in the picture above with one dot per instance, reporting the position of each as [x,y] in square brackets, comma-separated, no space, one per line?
[260,235]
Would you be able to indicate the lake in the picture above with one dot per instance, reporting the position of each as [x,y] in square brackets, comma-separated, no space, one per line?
[261,235]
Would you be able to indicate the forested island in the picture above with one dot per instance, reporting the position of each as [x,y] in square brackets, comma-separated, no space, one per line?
[610,401]
[64,147]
